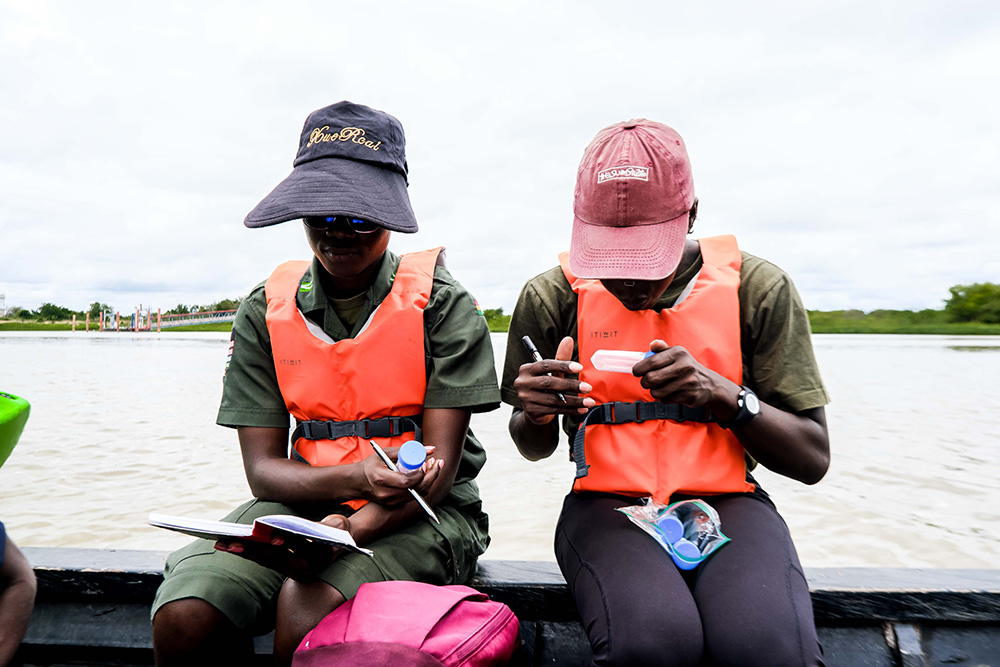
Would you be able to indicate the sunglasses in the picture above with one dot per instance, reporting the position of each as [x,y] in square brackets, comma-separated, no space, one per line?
[327,223]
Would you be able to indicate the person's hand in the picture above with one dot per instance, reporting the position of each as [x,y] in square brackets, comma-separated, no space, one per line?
[291,555]
[672,375]
[390,488]
[540,383]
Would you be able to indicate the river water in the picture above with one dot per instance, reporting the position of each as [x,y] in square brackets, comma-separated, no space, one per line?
[124,424]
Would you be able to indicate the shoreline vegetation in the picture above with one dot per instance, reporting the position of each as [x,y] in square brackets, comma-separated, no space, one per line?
[17,325]
[971,310]
[821,322]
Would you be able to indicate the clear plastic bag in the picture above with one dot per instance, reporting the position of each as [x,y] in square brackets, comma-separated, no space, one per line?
[689,530]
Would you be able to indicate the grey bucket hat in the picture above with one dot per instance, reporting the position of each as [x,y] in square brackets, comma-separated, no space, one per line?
[351,161]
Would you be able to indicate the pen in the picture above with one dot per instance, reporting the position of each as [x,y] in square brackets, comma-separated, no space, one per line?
[392,466]
[536,356]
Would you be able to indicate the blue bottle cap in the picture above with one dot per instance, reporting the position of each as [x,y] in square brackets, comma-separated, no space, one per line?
[685,554]
[411,456]
[671,528]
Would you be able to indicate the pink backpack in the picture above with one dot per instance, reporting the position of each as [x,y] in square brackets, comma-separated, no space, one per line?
[410,623]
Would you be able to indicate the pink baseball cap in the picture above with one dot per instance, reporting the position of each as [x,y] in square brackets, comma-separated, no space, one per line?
[633,194]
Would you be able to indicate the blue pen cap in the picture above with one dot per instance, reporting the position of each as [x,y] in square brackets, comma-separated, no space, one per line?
[411,456]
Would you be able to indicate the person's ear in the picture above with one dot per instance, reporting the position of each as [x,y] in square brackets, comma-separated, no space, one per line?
[692,215]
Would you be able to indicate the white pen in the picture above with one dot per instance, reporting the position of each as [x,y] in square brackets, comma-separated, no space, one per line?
[392,466]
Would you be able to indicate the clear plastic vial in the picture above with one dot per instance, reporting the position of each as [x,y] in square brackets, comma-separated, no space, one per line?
[618,361]
[411,456]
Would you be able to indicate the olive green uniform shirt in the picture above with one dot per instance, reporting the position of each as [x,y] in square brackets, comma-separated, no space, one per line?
[778,360]
[458,355]
[460,374]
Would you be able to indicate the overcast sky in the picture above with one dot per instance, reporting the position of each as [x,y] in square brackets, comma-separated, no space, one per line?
[854,144]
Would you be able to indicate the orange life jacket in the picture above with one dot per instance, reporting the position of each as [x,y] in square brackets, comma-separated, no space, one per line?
[344,393]
[659,455]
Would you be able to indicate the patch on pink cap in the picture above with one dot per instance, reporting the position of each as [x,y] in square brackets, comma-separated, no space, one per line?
[628,171]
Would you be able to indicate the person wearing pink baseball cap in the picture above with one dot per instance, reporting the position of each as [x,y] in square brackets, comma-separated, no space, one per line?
[715,375]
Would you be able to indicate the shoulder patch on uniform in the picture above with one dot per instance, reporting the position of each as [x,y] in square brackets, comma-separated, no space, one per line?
[229,354]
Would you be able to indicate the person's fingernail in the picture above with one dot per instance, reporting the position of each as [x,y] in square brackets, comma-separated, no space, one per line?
[440,463]
[585,387]
[575,367]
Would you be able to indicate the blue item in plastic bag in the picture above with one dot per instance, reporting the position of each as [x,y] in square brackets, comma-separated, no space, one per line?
[689,530]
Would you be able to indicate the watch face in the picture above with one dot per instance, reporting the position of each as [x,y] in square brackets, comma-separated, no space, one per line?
[752,403]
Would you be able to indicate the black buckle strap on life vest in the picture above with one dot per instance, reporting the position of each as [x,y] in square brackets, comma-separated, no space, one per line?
[582,468]
[638,412]
[383,427]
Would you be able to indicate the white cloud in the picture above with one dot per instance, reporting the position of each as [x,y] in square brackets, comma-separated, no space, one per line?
[853,144]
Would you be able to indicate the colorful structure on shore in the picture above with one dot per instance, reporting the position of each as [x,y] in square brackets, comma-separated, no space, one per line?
[147,320]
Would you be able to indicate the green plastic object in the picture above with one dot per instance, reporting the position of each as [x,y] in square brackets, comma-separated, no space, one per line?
[13,415]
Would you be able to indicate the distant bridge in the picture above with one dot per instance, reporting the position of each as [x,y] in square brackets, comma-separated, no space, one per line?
[147,320]
[190,319]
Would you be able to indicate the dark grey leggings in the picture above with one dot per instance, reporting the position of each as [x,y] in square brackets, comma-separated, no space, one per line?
[747,605]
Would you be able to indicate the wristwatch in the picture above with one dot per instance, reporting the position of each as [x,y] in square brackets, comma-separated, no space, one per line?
[749,407]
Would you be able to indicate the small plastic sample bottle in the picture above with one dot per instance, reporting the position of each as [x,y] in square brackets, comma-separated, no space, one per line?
[617,361]
[672,530]
[411,456]
[688,550]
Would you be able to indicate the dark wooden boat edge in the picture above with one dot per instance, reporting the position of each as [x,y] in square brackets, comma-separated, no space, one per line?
[93,608]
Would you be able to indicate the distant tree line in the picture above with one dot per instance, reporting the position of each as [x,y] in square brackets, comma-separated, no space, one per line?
[968,308]
[976,303]
[49,312]
[979,302]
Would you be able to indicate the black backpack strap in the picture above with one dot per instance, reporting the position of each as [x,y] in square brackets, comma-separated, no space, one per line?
[639,411]
[382,427]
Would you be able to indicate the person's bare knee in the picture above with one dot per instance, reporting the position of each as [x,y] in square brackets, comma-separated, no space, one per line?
[301,606]
[188,627]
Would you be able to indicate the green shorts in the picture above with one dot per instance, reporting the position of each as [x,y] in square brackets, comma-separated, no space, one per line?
[247,593]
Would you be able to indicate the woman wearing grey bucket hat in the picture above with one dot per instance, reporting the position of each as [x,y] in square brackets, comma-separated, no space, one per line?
[352,162]
[358,346]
